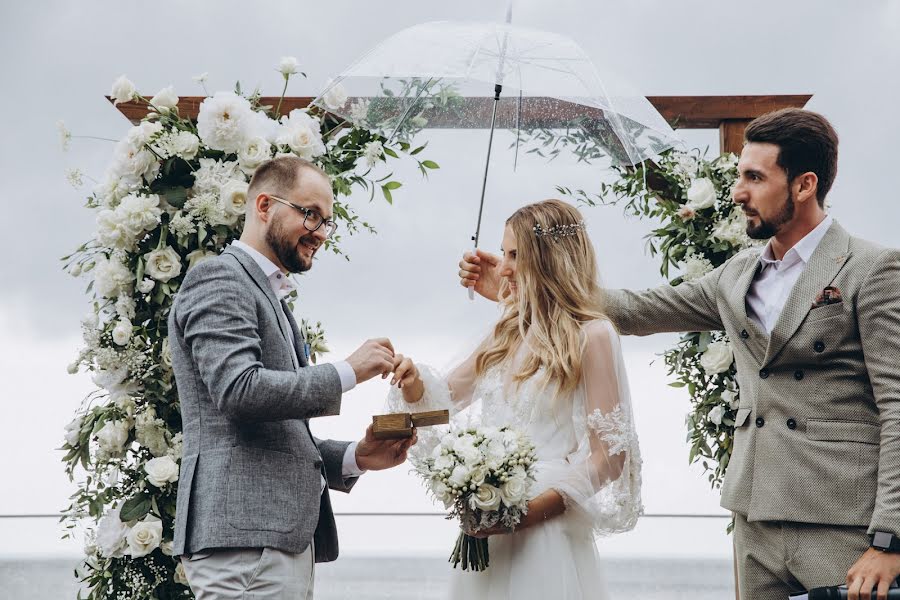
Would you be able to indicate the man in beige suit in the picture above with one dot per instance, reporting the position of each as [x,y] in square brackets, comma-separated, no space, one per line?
[814,319]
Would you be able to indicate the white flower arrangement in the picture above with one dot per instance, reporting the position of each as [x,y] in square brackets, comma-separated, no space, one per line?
[483,476]
[174,194]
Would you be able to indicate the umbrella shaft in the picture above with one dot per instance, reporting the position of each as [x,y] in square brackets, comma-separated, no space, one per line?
[487,163]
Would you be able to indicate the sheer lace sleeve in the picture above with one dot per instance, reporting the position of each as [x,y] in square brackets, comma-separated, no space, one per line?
[604,481]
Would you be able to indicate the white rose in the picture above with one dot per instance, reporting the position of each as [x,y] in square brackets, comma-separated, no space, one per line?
[122,90]
[234,197]
[443,462]
[730,397]
[122,332]
[701,194]
[163,264]
[718,358]
[288,66]
[716,414]
[165,354]
[513,490]
[167,547]
[442,493]
[165,99]
[478,475]
[113,436]
[161,471]
[486,497]
[72,431]
[225,121]
[254,153]
[335,97]
[144,537]
[302,134]
[459,476]
[198,256]
[180,576]
[111,532]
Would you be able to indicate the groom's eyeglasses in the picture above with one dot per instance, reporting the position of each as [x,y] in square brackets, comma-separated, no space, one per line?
[312,220]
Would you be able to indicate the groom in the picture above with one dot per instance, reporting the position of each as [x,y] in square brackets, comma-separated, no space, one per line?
[814,319]
[254,513]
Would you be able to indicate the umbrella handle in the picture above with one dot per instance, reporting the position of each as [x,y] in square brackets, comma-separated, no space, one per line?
[472,289]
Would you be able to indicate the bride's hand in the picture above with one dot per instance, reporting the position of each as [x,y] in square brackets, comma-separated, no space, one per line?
[485,533]
[406,377]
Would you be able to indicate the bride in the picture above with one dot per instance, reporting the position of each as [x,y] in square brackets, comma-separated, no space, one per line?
[552,368]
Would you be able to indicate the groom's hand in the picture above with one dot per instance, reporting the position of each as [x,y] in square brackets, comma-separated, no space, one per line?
[375,357]
[481,271]
[373,454]
[874,570]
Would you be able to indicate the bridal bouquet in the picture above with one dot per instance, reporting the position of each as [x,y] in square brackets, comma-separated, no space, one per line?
[483,476]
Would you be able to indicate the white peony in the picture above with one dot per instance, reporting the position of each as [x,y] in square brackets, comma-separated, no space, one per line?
[111,532]
[288,66]
[161,471]
[233,197]
[111,278]
[701,194]
[163,264]
[335,97]
[486,497]
[225,121]
[139,214]
[114,187]
[122,332]
[165,99]
[144,537]
[716,414]
[718,358]
[111,231]
[197,256]
[254,153]
[112,437]
[72,431]
[122,90]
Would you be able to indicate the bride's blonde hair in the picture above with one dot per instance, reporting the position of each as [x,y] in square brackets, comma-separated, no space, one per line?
[558,291]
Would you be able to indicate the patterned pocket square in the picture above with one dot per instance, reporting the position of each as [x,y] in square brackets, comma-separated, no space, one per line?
[830,295]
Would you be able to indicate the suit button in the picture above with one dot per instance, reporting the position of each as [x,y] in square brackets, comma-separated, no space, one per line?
[317,464]
[819,347]
[744,334]
[764,373]
[798,375]
[792,424]
[760,421]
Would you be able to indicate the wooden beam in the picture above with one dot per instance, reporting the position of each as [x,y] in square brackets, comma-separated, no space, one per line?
[731,135]
[682,112]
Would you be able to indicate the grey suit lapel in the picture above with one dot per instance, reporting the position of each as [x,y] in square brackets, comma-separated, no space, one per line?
[758,338]
[259,278]
[824,265]
[299,342]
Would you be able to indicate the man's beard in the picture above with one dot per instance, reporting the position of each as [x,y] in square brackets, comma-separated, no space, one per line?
[285,248]
[767,229]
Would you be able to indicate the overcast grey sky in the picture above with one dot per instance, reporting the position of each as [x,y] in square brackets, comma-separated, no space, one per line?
[60,58]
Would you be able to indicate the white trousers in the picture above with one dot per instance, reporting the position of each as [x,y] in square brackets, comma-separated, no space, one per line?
[250,573]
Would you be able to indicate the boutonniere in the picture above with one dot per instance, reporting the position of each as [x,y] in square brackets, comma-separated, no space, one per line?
[313,337]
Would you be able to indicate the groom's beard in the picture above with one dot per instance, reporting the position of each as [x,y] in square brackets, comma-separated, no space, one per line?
[287,248]
[766,229]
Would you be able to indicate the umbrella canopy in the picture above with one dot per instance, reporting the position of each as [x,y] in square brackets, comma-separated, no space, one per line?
[442,74]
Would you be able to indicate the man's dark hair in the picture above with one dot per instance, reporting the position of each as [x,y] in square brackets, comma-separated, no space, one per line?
[806,141]
[280,175]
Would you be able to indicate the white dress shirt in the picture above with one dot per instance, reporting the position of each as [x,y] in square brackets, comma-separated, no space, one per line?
[282,285]
[776,278]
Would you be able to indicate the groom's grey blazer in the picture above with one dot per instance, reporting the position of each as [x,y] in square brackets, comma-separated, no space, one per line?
[817,435]
[251,470]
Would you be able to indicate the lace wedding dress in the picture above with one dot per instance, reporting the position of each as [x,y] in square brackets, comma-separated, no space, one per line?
[587,451]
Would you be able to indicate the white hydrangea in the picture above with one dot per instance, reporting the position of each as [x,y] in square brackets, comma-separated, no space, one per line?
[372,153]
[213,174]
[225,121]
[732,229]
[182,225]
[695,267]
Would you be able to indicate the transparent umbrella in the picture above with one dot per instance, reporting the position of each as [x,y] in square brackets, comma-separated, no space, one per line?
[545,89]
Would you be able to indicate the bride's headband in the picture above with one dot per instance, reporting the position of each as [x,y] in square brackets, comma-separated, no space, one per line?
[558,231]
